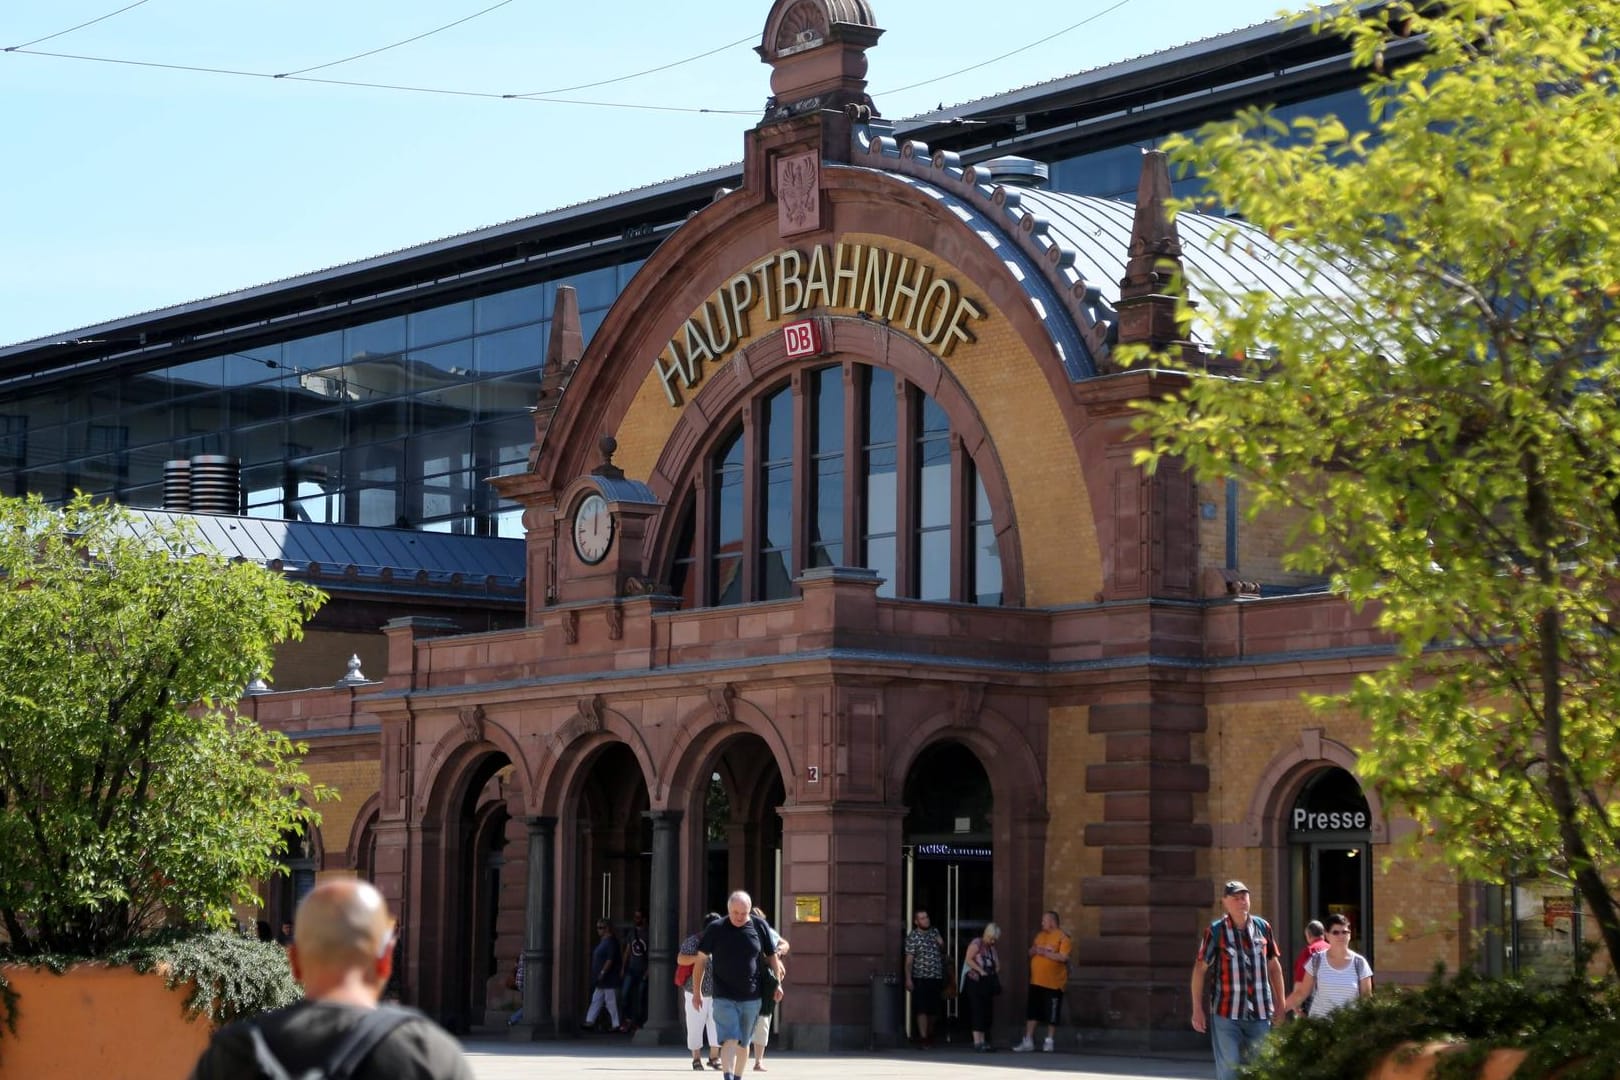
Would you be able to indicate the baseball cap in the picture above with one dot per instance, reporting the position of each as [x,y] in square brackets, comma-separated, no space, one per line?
[1235,887]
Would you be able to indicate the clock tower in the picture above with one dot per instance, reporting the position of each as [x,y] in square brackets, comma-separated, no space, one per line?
[603,523]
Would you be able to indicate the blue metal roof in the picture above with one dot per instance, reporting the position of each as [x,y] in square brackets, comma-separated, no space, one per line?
[360,557]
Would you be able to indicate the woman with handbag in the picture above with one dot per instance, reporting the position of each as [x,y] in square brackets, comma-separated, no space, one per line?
[699,1020]
[980,984]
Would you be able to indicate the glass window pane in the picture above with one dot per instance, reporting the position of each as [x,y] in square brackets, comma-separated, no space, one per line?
[504,399]
[778,507]
[827,519]
[313,353]
[880,557]
[827,555]
[880,407]
[450,406]
[509,525]
[597,288]
[986,565]
[932,418]
[196,376]
[443,363]
[514,307]
[981,499]
[934,488]
[827,409]
[728,580]
[728,531]
[934,565]
[776,580]
[249,366]
[779,426]
[376,423]
[523,349]
[882,491]
[386,337]
[441,324]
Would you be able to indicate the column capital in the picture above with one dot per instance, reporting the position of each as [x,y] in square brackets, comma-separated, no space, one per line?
[540,823]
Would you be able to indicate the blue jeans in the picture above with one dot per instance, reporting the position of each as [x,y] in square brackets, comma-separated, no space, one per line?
[1235,1041]
[734,1020]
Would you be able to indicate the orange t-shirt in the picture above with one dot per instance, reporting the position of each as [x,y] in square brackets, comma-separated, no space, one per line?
[1051,974]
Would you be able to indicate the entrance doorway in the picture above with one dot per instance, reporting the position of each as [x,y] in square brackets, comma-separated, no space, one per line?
[947,861]
[1330,858]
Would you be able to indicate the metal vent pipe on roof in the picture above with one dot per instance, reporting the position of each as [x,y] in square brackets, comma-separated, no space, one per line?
[177,485]
[1013,171]
[216,484]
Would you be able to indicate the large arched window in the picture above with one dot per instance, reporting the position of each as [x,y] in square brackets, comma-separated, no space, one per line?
[840,466]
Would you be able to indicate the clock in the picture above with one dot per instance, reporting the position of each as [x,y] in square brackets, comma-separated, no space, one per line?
[593,529]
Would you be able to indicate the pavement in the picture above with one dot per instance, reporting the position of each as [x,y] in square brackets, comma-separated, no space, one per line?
[610,1059]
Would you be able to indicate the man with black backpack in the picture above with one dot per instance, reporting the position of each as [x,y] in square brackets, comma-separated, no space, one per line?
[343,953]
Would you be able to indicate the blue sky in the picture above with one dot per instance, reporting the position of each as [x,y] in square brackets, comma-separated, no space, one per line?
[127,187]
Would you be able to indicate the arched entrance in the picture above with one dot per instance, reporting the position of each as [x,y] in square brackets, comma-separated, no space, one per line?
[1329,831]
[947,850]
[742,831]
[612,863]
[460,921]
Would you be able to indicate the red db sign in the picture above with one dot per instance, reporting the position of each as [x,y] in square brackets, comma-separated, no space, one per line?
[802,338]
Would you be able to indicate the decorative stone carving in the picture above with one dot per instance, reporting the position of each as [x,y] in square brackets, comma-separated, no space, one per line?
[615,623]
[570,625]
[472,722]
[798,194]
[966,701]
[589,719]
[722,699]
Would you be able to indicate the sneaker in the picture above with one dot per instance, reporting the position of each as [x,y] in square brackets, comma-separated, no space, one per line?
[1046,1046]
[1023,1047]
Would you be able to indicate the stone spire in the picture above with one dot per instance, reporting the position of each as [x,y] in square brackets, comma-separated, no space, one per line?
[1154,270]
[567,342]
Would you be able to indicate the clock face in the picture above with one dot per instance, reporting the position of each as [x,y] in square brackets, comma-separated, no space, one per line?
[593,529]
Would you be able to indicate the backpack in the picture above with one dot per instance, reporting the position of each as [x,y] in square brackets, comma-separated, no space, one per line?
[347,1056]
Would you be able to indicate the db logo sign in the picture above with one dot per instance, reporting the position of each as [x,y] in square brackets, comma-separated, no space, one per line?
[802,338]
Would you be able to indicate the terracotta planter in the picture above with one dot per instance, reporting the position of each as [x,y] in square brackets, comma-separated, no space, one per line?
[101,1022]
[1499,1064]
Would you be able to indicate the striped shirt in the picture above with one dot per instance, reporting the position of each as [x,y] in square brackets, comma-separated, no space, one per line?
[1336,987]
[1238,960]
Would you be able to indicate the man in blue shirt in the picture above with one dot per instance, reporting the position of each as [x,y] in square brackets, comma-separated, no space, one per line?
[733,949]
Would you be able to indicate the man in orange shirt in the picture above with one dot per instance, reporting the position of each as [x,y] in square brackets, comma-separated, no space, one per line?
[1048,975]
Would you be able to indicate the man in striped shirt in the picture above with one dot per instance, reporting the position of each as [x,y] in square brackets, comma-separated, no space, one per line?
[1240,953]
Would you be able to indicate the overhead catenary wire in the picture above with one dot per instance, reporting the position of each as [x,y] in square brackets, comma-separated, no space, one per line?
[639,74]
[1014,52]
[79,26]
[394,45]
[201,69]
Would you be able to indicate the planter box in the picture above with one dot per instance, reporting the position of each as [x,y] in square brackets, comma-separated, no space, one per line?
[99,1022]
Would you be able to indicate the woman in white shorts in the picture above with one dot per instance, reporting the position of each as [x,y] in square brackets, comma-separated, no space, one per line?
[1336,977]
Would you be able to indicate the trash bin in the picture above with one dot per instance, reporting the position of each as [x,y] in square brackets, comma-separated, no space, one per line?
[888,996]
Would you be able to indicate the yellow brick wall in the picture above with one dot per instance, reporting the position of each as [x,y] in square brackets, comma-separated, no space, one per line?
[1242,741]
[354,782]
[1056,531]
[1070,748]
[1261,541]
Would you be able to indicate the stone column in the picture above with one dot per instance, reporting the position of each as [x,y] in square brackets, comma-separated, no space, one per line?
[665,1024]
[538,931]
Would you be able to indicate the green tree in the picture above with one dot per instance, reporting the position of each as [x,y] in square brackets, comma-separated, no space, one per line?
[1438,408]
[130,793]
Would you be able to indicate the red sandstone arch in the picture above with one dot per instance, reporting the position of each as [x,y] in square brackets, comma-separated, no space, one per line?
[734,233]
[365,818]
[764,364]
[1285,775]
[563,767]
[452,755]
[1017,781]
[700,734]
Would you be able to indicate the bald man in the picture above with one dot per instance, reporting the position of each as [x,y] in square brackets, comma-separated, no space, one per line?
[343,953]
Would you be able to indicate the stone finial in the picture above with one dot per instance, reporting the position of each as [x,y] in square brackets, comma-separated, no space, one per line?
[817,52]
[354,676]
[607,445]
[566,344]
[256,687]
[1155,255]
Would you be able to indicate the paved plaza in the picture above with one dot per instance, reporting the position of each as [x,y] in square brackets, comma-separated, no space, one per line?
[607,1059]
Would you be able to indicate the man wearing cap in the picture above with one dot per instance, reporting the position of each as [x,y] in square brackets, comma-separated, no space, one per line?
[1240,954]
